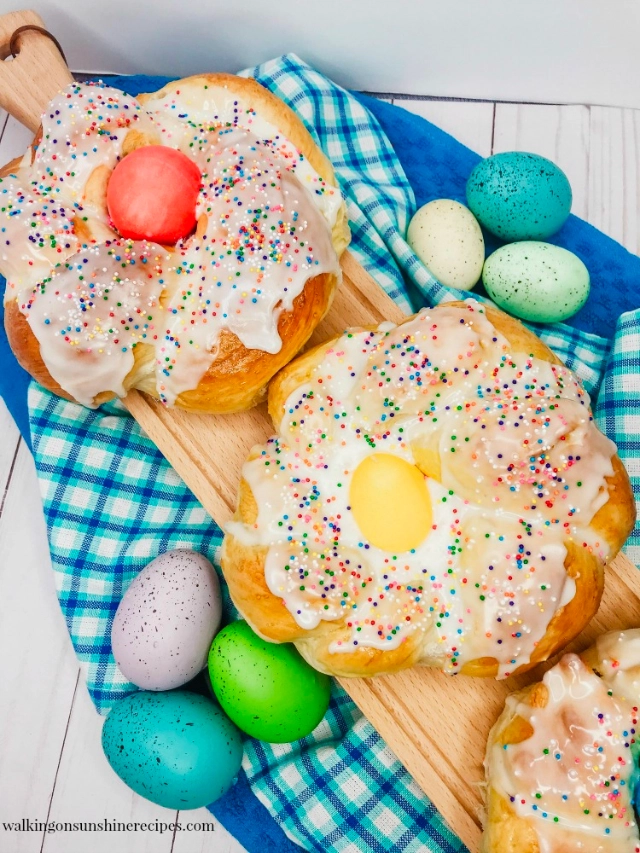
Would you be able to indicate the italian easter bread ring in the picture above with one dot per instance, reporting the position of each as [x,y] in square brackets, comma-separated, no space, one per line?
[203,323]
[436,493]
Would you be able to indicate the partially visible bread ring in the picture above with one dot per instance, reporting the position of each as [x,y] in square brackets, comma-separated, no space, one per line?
[191,333]
[561,759]
[463,599]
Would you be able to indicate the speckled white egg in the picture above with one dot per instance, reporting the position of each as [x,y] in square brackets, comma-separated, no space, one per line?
[445,235]
[166,621]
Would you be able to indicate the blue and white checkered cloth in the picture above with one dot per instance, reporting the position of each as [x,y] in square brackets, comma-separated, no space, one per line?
[112,502]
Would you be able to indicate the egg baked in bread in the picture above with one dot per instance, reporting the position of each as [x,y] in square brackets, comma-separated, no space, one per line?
[562,760]
[202,324]
[436,492]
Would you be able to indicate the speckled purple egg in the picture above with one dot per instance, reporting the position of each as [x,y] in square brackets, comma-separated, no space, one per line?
[166,621]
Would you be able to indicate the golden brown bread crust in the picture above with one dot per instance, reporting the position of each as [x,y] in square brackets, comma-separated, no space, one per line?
[238,378]
[505,831]
[508,833]
[243,565]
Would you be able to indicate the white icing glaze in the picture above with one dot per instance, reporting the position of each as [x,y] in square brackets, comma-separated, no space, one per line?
[268,217]
[28,252]
[99,307]
[83,127]
[619,656]
[573,779]
[261,226]
[521,469]
[179,116]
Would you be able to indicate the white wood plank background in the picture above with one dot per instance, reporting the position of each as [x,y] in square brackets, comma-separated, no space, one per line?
[51,764]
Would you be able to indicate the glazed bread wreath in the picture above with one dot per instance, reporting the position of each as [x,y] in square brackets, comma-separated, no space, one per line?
[562,760]
[203,323]
[436,492]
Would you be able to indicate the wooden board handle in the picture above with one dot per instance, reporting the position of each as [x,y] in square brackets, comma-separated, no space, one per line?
[29,80]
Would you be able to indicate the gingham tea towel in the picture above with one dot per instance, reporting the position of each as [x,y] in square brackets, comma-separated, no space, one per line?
[112,503]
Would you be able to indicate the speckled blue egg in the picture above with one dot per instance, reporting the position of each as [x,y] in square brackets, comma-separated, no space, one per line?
[519,196]
[166,621]
[536,281]
[177,749]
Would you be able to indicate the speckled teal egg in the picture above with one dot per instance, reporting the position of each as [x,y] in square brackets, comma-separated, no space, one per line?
[268,689]
[536,281]
[519,196]
[177,749]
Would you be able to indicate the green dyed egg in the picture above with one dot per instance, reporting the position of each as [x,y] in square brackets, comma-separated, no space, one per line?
[519,196]
[267,689]
[176,749]
[536,281]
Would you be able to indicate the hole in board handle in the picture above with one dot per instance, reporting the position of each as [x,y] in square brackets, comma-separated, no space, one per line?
[11,51]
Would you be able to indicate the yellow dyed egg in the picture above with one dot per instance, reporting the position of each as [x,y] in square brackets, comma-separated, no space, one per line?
[390,502]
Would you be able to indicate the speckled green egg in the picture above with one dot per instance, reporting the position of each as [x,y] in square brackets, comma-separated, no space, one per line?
[519,196]
[177,749]
[267,689]
[536,281]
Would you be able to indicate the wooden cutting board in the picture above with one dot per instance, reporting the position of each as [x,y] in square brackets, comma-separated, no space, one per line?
[437,725]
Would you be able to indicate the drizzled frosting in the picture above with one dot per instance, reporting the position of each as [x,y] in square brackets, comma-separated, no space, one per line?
[574,777]
[619,663]
[515,471]
[109,303]
[264,228]
[258,221]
